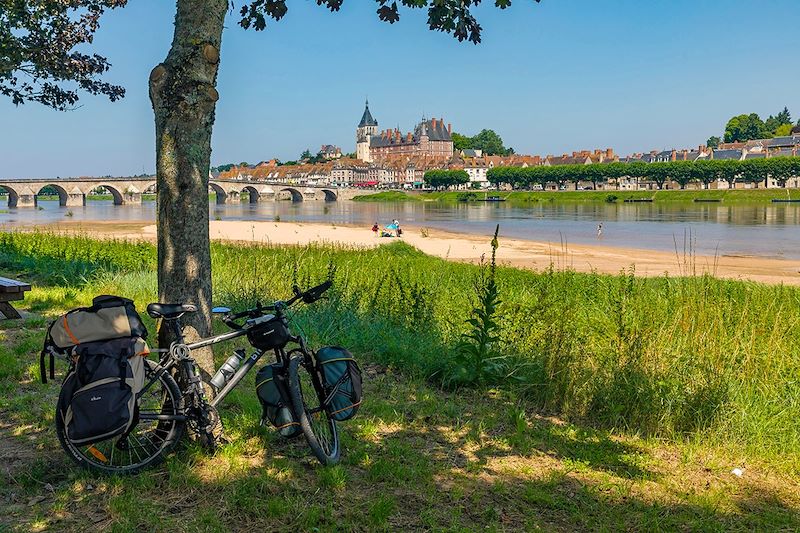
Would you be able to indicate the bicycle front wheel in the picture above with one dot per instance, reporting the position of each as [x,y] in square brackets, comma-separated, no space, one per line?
[318,428]
[159,429]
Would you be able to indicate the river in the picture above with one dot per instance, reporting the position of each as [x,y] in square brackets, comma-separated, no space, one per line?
[771,230]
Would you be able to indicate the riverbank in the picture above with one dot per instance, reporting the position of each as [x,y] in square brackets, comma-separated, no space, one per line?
[470,248]
[735,196]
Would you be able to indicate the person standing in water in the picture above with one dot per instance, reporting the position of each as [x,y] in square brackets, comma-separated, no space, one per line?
[600,231]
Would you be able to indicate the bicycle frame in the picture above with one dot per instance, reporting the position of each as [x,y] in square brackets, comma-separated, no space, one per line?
[168,361]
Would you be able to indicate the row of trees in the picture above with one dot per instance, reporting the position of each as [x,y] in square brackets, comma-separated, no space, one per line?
[682,172]
[444,179]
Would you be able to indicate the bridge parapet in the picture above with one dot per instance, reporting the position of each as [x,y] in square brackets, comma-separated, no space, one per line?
[73,191]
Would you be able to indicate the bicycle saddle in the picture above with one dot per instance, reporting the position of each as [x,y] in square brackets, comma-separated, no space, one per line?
[169,311]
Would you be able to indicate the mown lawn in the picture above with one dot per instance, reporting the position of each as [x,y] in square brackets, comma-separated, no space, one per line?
[415,458]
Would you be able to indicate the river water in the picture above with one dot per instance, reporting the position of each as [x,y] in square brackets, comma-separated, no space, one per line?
[771,230]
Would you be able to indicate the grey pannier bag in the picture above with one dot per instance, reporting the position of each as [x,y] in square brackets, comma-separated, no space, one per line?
[98,398]
[109,317]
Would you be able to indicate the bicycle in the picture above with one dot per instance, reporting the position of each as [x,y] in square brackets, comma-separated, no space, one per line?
[164,409]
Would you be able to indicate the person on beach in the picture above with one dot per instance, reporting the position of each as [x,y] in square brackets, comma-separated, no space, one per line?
[399,231]
[600,231]
[375,229]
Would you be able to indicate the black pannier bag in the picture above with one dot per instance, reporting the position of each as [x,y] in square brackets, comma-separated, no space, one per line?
[98,399]
[341,380]
[269,335]
[273,393]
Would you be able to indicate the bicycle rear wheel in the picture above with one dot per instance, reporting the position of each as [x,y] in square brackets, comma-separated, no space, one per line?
[318,428]
[149,441]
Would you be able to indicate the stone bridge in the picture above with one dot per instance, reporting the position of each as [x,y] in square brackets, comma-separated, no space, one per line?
[73,191]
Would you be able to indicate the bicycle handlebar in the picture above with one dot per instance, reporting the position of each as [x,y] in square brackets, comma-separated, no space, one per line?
[309,296]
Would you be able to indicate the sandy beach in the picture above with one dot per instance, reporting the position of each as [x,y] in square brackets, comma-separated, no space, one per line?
[470,248]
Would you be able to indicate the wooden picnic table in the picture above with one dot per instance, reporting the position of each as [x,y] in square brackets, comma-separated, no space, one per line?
[11,290]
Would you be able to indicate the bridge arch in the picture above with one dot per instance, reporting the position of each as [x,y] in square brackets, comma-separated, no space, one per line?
[116,195]
[253,193]
[330,195]
[297,196]
[222,196]
[13,196]
[63,196]
[150,189]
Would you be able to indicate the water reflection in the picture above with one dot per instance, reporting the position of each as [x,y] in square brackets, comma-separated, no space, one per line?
[763,230]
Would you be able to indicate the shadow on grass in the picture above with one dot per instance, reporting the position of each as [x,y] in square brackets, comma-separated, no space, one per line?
[414,459]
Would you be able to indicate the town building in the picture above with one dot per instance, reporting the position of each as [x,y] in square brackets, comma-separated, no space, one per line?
[431,137]
[583,157]
[329,151]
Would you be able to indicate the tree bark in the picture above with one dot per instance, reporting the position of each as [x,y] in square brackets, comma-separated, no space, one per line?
[183,95]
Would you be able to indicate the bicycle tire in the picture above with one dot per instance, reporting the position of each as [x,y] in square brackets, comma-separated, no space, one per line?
[166,433]
[313,418]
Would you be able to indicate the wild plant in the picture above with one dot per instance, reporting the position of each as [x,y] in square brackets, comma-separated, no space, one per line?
[477,360]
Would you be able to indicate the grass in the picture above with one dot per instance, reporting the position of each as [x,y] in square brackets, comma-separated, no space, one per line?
[415,458]
[627,404]
[735,196]
[387,196]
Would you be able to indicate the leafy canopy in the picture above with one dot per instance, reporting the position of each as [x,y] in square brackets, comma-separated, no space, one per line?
[487,140]
[449,16]
[748,127]
[39,61]
[38,42]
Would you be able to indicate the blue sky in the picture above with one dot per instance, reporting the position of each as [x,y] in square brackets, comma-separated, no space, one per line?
[549,78]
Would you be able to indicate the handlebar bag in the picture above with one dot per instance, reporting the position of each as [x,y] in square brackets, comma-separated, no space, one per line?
[269,335]
[109,317]
[273,393]
[98,399]
[342,382]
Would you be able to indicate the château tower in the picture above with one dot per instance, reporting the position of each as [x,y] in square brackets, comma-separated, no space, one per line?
[366,129]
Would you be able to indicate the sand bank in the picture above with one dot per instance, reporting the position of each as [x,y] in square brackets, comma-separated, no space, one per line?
[461,247]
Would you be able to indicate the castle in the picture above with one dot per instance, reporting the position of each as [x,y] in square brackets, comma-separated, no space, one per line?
[430,138]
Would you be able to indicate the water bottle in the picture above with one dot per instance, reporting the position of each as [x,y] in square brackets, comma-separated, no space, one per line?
[227,369]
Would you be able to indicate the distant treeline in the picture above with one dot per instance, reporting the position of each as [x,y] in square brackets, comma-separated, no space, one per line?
[439,179]
[781,169]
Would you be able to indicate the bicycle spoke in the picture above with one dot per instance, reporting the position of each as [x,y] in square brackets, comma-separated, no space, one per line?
[319,429]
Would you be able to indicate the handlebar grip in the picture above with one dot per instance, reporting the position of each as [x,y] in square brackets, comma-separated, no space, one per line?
[229,321]
[315,293]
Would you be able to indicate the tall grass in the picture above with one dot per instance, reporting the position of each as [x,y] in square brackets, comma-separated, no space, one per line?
[671,357]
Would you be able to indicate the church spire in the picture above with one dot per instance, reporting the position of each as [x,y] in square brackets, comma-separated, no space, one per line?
[366,118]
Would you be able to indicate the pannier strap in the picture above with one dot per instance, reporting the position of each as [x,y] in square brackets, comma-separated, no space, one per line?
[69,331]
[351,406]
[47,348]
[336,360]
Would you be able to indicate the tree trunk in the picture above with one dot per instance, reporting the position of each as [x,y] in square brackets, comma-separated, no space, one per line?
[183,94]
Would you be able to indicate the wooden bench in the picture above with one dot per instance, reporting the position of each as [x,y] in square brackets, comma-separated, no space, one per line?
[10,291]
